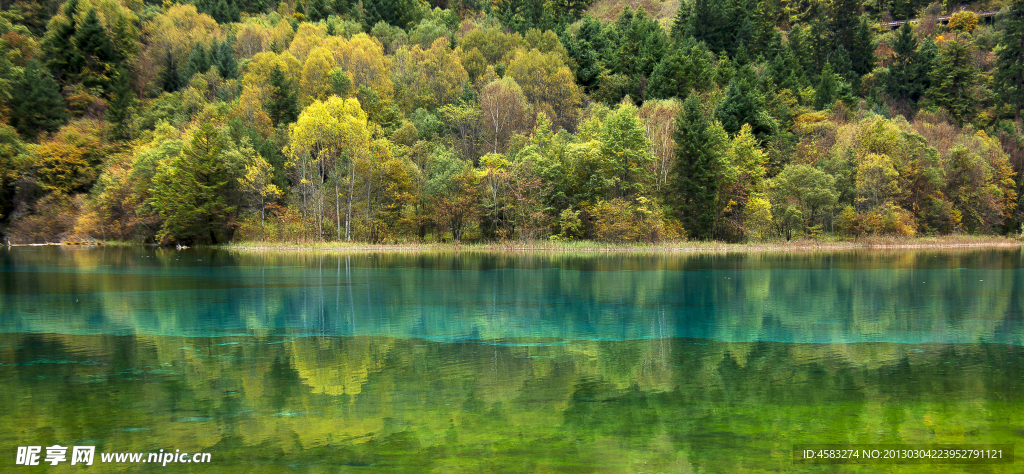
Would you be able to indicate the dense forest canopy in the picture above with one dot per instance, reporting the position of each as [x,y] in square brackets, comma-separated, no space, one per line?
[396,120]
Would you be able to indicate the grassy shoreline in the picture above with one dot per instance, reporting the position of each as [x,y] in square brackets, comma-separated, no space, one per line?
[951,242]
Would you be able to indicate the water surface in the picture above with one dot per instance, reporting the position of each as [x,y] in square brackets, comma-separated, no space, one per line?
[476,362]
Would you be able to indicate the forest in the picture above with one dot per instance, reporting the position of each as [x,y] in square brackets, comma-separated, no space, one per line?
[385,121]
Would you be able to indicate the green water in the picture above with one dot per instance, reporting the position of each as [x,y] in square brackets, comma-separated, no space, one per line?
[478,362]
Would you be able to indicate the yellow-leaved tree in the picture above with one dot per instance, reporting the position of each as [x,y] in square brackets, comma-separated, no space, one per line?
[325,141]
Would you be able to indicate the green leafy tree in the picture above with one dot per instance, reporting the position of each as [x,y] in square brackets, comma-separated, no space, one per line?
[190,192]
[36,104]
[628,150]
[801,196]
[693,191]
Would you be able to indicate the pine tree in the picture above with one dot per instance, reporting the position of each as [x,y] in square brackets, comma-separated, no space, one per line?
[222,55]
[97,51]
[952,78]
[708,24]
[58,46]
[903,79]
[693,191]
[744,104]
[841,65]
[1010,66]
[828,89]
[688,67]
[36,104]
[198,62]
[190,192]
[862,54]
[122,104]
[283,106]
[170,77]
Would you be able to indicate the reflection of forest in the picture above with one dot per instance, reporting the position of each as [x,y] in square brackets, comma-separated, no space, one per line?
[907,296]
[387,404]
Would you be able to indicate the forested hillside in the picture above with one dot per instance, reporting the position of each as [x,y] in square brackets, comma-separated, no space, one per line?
[406,120]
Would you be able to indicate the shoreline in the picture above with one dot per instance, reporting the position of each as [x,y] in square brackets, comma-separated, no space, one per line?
[873,243]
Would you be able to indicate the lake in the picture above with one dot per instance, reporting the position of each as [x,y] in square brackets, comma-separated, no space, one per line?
[509,362]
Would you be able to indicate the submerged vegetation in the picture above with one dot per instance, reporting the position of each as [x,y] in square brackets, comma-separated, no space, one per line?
[443,122]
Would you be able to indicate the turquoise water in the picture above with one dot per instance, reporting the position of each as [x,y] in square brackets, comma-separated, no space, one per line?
[505,362]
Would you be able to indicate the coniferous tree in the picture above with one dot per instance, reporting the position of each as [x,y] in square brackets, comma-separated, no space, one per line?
[190,192]
[681,22]
[786,71]
[862,54]
[222,55]
[122,103]
[707,23]
[36,104]
[952,77]
[283,106]
[903,79]
[62,57]
[1010,65]
[764,40]
[843,24]
[744,103]
[828,90]
[693,190]
[688,67]
[927,54]
[96,50]
[841,65]
[198,62]
[170,77]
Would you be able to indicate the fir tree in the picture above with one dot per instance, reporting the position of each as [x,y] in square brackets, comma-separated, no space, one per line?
[222,55]
[170,77]
[97,51]
[688,67]
[198,62]
[744,104]
[58,46]
[862,54]
[841,65]
[122,104]
[828,89]
[283,106]
[693,191]
[903,79]
[1010,65]
[786,71]
[190,192]
[36,104]
[952,78]
[681,22]
[707,23]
